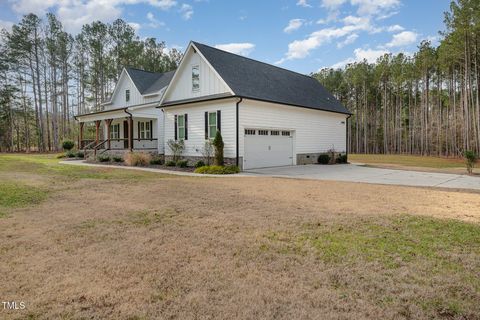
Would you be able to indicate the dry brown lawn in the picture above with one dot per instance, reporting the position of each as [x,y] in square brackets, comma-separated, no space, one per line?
[110,244]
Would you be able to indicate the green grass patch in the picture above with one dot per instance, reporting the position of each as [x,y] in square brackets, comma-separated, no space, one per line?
[48,165]
[392,242]
[407,160]
[15,195]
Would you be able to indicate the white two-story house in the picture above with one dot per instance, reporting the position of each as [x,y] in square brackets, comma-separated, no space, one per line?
[268,116]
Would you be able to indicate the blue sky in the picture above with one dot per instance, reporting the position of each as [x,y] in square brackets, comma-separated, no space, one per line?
[301,35]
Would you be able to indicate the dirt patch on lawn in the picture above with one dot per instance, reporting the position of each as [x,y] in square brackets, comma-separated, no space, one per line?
[201,248]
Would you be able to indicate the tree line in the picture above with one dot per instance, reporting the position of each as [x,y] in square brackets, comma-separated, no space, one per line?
[47,75]
[424,104]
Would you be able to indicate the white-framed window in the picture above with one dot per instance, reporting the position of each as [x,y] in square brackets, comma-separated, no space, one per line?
[145,130]
[181,127]
[127,95]
[274,133]
[115,131]
[250,132]
[195,78]
[286,133]
[212,125]
[263,132]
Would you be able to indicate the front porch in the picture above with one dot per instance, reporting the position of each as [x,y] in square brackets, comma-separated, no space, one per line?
[117,134]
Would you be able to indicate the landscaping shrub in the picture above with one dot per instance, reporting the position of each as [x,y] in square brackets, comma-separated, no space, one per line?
[342,158]
[137,159]
[156,160]
[182,163]
[470,158]
[70,154]
[68,145]
[170,163]
[103,158]
[199,164]
[177,148]
[117,158]
[208,152]
[324,158]
[218,144]
[80,154]
[217,170]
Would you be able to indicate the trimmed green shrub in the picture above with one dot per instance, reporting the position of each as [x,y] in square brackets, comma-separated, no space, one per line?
[80,154]
[68,145]
[218,144]
[103,158]
[470,158]
[170,163]
[217,170]
[182,163]
[70,154]
[156,160]
[117,158]
[324,158]
[199,164]
[342,158]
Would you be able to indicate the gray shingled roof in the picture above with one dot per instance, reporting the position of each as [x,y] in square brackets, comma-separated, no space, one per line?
[253,79]
[149,82]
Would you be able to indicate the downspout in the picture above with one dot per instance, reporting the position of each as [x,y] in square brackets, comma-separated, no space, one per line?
[237,124]
[346,138]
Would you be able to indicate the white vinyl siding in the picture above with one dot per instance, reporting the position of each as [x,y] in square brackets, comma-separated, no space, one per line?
[196,126]
[209,82]
[313,130]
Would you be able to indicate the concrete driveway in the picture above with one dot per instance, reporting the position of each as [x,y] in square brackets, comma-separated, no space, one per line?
[358,173]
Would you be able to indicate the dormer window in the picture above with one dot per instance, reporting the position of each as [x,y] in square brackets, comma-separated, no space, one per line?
[195,78]
[127,95]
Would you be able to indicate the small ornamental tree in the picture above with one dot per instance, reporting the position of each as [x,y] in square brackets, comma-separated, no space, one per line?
[207,152]
[177,148]
[218,144]
[470,158]
[68,145]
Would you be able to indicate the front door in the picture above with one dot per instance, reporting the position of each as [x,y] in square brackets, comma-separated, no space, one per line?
[126,134]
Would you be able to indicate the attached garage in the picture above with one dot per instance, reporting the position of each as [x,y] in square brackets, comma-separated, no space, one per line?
[268,148]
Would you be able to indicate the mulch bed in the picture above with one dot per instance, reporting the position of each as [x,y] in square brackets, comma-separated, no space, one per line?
[153,166]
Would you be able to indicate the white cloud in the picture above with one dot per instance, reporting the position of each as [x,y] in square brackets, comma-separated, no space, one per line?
[360,54]
[375,7]
[332,4]
[243,49]
[135,26]
[401,39]
[186,11]
[349,40]
[300,49]
[154,23]
[7,25]
[395,28]
[75,13]
[293,25]
[303,3]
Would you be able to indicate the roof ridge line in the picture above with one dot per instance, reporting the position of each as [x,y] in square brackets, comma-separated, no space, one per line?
[268,64]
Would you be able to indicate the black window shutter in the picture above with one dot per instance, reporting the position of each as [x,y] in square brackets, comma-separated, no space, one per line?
[219,120]
[138,130]
[206,125]
[151,129]
[176,126]
[186,126]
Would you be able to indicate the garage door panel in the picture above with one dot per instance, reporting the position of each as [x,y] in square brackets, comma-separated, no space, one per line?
[268,151]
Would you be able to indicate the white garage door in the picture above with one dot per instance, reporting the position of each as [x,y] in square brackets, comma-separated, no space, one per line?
[267,148]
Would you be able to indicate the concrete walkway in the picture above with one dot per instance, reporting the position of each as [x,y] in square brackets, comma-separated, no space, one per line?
[343,172]
[357,173]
